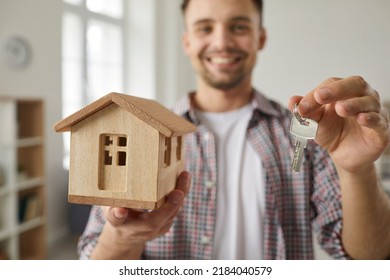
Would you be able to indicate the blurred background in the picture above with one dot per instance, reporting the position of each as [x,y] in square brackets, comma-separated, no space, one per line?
[57,56]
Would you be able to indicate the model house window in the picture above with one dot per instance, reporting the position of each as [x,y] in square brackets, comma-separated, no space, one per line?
[122,141]
[93,48]
[121,158]
[178,148]
[112,162]
[107,158]
[114,149]
[167,152]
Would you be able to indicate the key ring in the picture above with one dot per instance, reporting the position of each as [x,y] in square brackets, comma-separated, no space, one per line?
[297,115]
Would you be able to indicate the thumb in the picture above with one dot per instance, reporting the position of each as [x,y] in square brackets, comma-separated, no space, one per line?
[116,216]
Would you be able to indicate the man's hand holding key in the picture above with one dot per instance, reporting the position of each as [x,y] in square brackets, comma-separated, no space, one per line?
[353,127]
[353,124]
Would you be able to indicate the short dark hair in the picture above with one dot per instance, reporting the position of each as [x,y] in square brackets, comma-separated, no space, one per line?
[258,4]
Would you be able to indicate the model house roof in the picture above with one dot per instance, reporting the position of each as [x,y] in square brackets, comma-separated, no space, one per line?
[151,112]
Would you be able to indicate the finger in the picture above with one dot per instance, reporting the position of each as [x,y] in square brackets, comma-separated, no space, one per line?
[343,89]
[116,216]
[294,100]
[354,106]
[378,122]
[183,182]
[156,219]
[314,115]
[308,104]
[174,200]
[166,228]
[333,90]
[374,120]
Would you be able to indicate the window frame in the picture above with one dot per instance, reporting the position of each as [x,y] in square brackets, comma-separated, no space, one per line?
[85,15]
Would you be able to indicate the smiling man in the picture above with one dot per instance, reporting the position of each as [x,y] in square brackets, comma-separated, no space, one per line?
[240,199]
[223,49]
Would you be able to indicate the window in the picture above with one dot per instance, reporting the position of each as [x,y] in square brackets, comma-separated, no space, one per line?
[107,158]
[167,152]
[121,158]
[110,148]
[122,141]
[93,47]
[178,148]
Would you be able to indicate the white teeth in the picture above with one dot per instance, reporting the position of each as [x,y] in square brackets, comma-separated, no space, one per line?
[221,60]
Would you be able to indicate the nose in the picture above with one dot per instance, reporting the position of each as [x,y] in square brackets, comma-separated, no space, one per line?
[222,38]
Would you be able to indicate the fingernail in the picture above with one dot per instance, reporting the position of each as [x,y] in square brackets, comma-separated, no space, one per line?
[324,93]
[175,197]
[118,214]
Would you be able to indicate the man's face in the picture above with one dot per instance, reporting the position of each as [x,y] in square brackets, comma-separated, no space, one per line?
[222,40]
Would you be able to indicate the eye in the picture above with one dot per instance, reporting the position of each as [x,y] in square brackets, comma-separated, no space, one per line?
[204,29]
[239,28]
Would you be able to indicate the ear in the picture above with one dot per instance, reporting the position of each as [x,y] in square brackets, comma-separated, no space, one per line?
[262,38]
[186,43]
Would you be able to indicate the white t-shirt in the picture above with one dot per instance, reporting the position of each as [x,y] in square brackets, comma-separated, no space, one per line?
[240,189]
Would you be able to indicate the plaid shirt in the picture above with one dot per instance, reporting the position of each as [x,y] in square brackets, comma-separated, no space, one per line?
[296,202]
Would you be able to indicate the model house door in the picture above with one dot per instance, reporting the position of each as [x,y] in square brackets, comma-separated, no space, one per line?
[113,162]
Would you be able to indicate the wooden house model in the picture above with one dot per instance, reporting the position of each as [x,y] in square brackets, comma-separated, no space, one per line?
[125,151]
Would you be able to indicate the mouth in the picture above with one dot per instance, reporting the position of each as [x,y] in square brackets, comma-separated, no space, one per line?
[223,61]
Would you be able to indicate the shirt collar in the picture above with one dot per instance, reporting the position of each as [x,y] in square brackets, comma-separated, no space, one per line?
[263,104]
[259,102]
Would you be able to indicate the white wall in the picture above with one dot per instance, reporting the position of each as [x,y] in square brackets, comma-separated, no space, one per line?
[157,66]
[39,22]
[310,40]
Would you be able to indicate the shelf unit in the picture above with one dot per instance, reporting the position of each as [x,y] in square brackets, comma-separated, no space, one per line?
[22,179]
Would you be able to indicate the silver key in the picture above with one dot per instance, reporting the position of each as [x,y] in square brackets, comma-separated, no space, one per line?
[303,130]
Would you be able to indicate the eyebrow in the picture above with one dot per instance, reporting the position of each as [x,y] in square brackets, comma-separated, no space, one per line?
[237,18]
[241,18]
